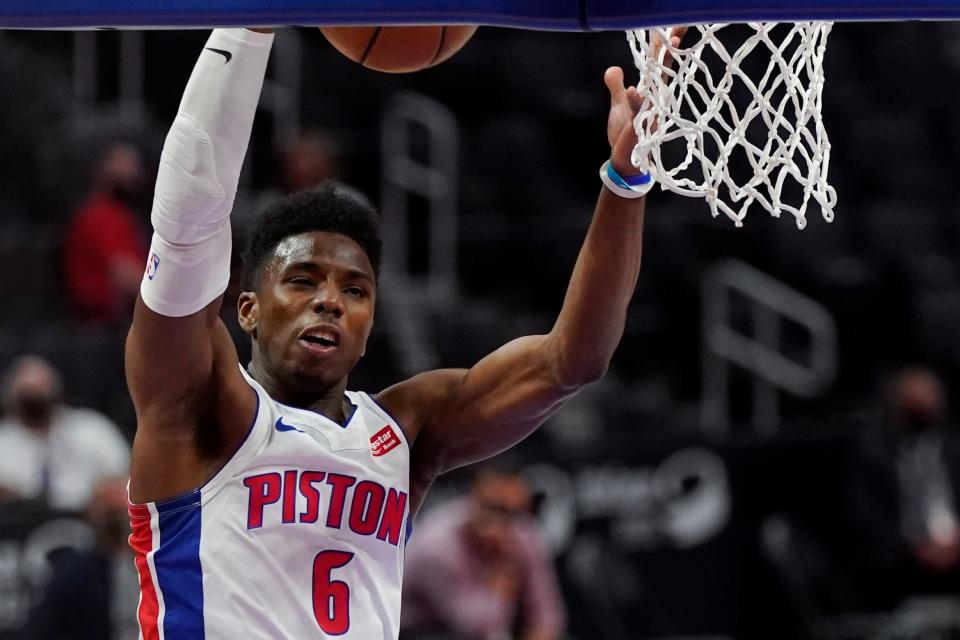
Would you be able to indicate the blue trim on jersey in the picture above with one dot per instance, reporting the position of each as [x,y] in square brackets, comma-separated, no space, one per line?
[317,413]
[185,501]
[253,423]
[179,574]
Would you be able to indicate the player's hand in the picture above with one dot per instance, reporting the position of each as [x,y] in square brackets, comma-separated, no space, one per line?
[676,35]
[625,104]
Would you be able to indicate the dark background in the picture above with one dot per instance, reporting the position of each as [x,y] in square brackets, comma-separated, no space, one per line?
[809,547]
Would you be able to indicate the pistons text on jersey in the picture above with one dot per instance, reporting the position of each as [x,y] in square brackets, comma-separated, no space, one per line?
[338,500]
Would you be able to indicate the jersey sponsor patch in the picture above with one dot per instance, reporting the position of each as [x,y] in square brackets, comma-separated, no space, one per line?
[153,262]
[383,441]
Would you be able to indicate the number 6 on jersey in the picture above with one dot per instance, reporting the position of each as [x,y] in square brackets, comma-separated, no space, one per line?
[331,598]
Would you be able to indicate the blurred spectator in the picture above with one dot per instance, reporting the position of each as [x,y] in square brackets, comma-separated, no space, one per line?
[928,510]
[476,569]
[306,163]
[105,249]
[92,594]
[52,452]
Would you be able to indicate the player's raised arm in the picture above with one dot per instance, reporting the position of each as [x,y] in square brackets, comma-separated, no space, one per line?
[461,416]
[180,363]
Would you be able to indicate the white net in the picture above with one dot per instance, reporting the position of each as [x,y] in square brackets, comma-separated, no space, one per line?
[736,118]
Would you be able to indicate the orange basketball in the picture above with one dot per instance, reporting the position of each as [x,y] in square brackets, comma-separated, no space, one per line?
[399,49]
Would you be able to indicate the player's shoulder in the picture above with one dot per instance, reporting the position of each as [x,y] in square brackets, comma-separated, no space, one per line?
[412,400]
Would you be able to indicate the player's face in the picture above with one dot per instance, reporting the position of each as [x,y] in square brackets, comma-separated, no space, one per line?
[313,311]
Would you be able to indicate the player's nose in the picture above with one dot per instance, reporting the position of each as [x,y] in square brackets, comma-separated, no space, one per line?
[328,299]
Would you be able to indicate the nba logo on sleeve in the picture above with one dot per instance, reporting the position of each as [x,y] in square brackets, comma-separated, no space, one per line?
[153,262]
[383,441]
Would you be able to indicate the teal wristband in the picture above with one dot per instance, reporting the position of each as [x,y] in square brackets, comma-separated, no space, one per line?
[631,187]
[630,182]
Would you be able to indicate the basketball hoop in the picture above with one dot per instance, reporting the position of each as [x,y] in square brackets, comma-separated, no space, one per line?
[736,120]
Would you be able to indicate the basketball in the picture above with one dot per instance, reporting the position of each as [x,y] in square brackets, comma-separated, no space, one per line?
[399,49]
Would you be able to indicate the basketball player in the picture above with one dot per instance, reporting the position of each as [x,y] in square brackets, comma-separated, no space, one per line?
[269,502]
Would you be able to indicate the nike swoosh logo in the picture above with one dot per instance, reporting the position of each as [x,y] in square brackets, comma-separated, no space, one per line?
[281,426]
[225,54]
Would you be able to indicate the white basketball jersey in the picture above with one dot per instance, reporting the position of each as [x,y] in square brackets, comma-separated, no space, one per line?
[300,535]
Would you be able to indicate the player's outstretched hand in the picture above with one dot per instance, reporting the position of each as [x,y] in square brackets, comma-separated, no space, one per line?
[625,104]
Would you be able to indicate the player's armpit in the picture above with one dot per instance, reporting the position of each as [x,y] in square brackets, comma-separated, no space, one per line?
[187,389]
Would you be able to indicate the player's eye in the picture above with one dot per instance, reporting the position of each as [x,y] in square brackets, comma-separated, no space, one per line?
[301,280]
[357,292]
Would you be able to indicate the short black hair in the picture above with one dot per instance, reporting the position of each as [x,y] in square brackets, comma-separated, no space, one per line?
[330,207]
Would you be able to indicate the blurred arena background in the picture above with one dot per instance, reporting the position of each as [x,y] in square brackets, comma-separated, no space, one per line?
[689,494]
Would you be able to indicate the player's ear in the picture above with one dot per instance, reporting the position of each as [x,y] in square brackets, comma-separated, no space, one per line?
[248,312]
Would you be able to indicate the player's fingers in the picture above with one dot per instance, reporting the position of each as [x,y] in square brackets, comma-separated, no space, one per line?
[613,78]
[661,38]
[656,43]
[668,57]
[676,37]
[634,100]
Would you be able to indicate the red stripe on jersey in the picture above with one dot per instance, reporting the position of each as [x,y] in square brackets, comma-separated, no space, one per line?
[141,541]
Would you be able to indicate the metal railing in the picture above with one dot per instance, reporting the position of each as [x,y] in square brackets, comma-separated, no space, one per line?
[86,73]
[771,302]
[281,95]
[435,180]
[413,293]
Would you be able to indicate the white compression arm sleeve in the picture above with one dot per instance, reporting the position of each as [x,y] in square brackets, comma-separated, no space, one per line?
[189,263]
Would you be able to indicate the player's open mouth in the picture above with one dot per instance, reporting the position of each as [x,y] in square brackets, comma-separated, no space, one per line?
[320,339]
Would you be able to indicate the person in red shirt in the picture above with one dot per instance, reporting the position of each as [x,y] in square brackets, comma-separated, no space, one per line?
[105,244]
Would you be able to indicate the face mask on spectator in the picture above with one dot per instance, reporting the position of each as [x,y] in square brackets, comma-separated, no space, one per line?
[34,410]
